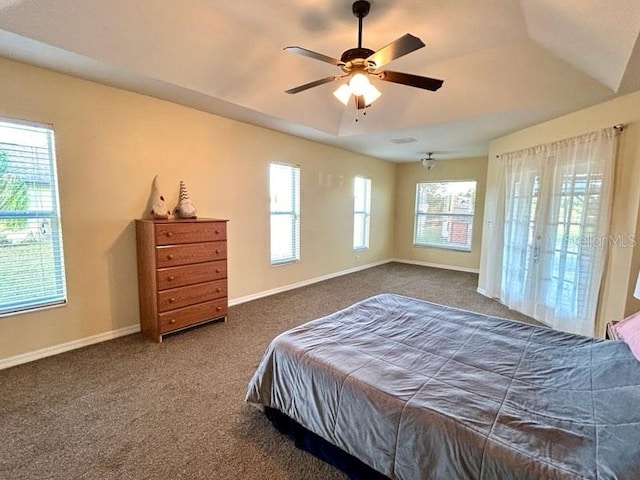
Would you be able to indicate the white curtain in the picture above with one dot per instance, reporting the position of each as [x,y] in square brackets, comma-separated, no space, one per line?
[555,231]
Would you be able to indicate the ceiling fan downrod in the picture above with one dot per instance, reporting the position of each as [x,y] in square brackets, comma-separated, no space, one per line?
[360,9]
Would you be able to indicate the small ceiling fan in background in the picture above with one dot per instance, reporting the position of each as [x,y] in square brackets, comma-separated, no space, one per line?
[358,64]
[429,162]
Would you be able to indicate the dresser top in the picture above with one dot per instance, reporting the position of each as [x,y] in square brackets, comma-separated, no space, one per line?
[181,220]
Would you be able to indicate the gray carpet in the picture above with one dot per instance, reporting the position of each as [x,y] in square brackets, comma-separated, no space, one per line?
[133,409]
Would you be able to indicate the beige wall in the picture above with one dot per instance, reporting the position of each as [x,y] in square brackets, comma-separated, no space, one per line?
[616,299]
[407,176]
[111,143]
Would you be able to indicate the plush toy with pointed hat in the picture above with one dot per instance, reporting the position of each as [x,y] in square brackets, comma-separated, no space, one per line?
[158,208]
[185,208]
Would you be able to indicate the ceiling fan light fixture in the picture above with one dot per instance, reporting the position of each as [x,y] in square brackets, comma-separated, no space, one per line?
[363,88]
[343,93]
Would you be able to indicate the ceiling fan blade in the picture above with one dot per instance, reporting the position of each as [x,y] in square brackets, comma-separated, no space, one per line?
[315,83]
[311,54]
[396,49]
[417,81]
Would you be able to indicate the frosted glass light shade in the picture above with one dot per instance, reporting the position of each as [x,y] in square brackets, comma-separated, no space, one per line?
[359,84]
[343,93]
[371,94]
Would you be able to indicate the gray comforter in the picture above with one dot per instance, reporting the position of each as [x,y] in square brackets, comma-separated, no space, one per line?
[422,391]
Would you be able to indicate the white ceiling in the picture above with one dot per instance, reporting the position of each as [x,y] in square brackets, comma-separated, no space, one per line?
[506,64]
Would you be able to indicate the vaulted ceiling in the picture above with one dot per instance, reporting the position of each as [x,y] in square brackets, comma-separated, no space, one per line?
[506,64]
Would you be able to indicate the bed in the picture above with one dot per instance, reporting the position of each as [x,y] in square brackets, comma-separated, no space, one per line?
[416,390]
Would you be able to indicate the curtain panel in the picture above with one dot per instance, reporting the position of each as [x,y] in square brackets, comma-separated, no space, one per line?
[552,226]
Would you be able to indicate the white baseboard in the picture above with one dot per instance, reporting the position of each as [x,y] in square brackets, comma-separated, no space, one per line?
[304,283]
[83,342]
[436,265]
[481,291]
[65,347]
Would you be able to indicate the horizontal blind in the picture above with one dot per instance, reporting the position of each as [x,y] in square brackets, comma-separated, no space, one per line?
[361,212]
[31,255]
[444,214]
[284,187]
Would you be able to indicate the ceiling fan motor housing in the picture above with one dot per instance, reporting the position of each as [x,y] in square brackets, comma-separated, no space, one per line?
[356,54]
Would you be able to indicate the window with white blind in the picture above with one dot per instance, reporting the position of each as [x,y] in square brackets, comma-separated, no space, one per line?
[444,214]
[284,187]
[31,257]
[361,212]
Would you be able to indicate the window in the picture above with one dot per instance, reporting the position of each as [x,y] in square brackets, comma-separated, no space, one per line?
[444,214]
[284,186]
[361,212]
[31,257]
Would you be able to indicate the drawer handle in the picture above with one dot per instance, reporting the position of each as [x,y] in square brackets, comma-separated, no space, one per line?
[169,234]
[169,257]
[218,270]
[171,277]
[217,232]
[218,309]
[172,321]
[217,250]
[218,290]
[172,300]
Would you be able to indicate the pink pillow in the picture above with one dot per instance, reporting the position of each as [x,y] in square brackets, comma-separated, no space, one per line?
[628,331]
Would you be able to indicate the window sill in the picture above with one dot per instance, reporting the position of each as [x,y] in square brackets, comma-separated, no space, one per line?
[442,247]
[284,262]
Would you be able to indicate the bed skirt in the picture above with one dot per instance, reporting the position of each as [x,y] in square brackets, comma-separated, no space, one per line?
[320,448]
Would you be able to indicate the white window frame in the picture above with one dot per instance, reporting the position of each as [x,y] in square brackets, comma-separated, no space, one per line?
[293,214]
[361,242]
[35,243]
[419,214]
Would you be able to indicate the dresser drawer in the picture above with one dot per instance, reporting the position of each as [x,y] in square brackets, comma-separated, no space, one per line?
[193,232]
[174,255]
[189,295]
[184,317]
[191,274]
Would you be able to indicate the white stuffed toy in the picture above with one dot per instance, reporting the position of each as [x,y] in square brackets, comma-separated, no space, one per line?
[185,208]
[158,208]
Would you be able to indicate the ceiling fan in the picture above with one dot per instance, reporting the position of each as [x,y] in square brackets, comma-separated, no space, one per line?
[358,64]
[429,162]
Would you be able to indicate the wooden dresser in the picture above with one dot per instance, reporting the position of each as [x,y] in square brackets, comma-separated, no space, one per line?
[182,273]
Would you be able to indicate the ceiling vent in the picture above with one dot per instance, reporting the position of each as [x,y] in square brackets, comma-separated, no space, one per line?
[400,141]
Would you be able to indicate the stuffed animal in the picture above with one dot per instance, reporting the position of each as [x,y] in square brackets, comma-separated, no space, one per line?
[185,208]
[158,208]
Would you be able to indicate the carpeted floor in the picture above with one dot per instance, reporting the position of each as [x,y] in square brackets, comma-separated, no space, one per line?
[133,409]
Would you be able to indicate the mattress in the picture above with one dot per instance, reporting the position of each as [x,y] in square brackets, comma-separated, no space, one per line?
[419,390]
